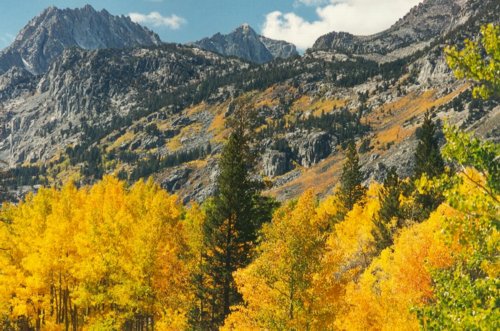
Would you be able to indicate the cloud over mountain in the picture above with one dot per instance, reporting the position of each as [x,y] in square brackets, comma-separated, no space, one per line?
[154,18]
[354,16]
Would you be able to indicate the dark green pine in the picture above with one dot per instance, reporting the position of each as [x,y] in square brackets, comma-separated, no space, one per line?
[351,187]
[428,157]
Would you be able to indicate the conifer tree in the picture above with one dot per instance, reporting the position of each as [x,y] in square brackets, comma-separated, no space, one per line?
[389,210]
[233,219]
[428,161]
[351,189]
[428,157]
[4,192]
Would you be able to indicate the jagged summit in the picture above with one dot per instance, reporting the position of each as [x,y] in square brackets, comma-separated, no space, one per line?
[245,43]
[46,36]
[245,26]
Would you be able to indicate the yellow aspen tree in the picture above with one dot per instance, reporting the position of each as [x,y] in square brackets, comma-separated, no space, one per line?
[276,285]
[193,225]
[100,258]
[399,279]
[350,248]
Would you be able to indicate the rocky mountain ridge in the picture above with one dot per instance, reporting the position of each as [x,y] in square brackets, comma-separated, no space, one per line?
[160,111]
[424,24]
[46,36]
[246,44]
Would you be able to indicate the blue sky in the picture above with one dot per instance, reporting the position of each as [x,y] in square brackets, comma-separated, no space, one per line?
[297,21]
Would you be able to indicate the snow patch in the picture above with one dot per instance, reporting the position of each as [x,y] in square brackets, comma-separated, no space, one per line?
[28,66]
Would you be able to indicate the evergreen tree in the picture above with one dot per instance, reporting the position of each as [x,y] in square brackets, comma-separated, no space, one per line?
[389,210]
[233,219]
[428,161]
[389,196]
[351,189]
[428,157]
[4,192]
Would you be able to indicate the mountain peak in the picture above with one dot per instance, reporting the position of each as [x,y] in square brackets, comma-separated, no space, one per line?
[49,9]
[245,43]
[245,27]
[88,8]
[46,36]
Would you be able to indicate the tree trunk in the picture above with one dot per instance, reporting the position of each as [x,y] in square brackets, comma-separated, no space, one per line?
[227,269]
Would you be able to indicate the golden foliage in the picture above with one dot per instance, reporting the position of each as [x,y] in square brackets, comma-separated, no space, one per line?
[98,256]
[398,280]
[275,287]
[108,257]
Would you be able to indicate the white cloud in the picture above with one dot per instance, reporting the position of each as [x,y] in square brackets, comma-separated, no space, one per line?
[156,19]
[355,16]
[311,2]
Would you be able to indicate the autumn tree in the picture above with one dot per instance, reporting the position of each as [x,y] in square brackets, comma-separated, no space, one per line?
[466,294]
[276,286]
[233,218]
[351,188]
[479,61]
[349,250]
[398,280]
[102,258]
[193,223]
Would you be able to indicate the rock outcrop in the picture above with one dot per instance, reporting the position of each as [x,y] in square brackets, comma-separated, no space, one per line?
[310,148]
[275,163]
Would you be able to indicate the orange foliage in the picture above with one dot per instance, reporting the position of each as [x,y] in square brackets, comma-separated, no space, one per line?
[389,119]
[399,279]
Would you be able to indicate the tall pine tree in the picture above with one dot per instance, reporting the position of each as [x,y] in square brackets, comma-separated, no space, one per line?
[390,210]
[351,188]
[428,157]
[428,161]
[233,219]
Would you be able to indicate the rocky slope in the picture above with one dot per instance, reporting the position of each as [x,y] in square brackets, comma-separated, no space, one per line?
[161,112]
[246,44]
[46,36]
[83,89]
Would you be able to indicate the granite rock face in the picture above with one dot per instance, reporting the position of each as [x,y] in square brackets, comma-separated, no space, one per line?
[86,89]
[246,44]
[46,36]
[313,147]
[279,48]
[275,163]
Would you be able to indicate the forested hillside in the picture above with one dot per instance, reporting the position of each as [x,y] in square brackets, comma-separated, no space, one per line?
[405,254]
[161,110]
[419,252]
